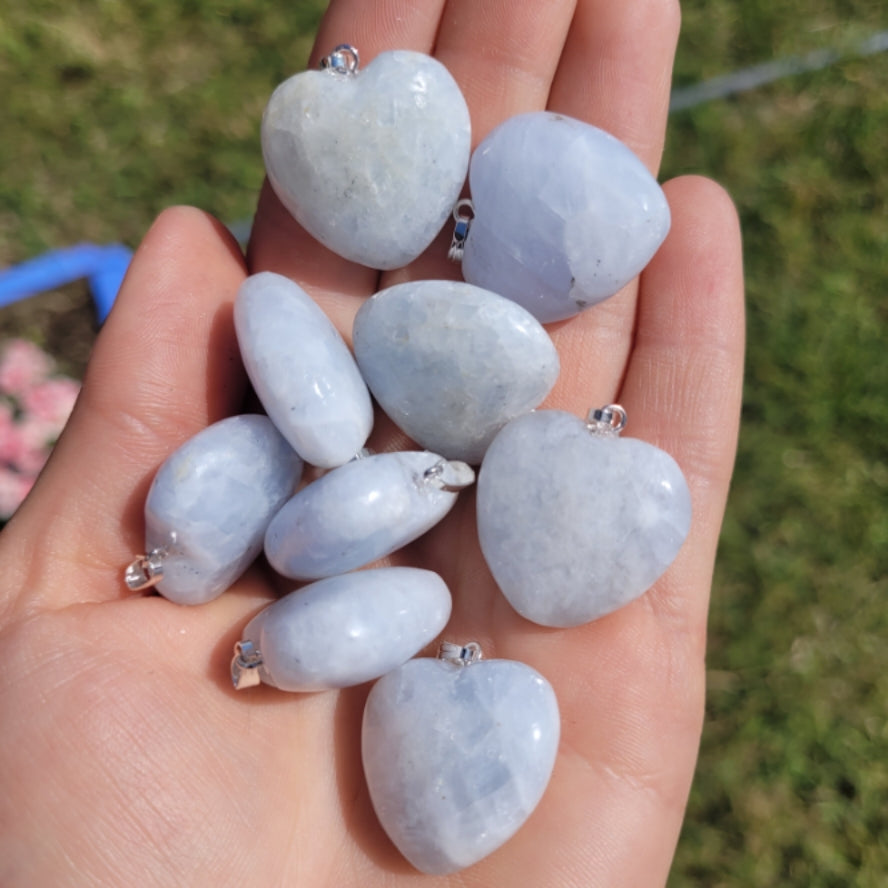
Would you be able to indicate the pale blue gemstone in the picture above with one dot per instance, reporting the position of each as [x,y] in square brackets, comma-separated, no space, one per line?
[574,525]
[302,371]
[356,514]
[211,502]
[565,214]
[370,164]
[457,758]
[451,363]
[349,629]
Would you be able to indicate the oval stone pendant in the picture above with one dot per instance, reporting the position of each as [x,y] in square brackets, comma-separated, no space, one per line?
[564,214]
[209,506]
[301,370]
[451,363]
[362,511]
[369,161]
[575,522]
[457,756]
[342,631]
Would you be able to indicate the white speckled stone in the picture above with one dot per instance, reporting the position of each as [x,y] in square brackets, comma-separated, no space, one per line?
[370,164]
[575,525]
[217,493]
[451,363]
[565,214]
[349,629]
[356,514]
[457,758]
[302,370]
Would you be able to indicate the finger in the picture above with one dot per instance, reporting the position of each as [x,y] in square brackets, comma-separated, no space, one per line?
[615,73]
[164,366]
[278,243]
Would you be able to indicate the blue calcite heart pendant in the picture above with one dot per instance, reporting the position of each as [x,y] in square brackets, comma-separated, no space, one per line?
[369,161]
[457,753]
[343,630]
[564,214]
[451,364]
[574,522]
[209,506]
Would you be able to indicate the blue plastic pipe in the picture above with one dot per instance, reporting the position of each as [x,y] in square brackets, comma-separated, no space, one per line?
[104,268]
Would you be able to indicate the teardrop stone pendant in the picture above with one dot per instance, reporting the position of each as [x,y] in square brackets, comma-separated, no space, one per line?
[457,753]
[575,522]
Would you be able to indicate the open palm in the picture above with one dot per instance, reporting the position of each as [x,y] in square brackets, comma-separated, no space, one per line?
[127,759]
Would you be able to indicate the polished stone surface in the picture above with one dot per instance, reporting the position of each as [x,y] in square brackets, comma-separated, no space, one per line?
[302,370]
[348,629]
[565,214]
[356,514]
[451,363]
[372,163]
[457,757]
[211,502]
[574,525]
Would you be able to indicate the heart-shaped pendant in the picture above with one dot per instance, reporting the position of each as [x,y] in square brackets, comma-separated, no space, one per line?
[457,753]
[371,161]
[451,364]
[575,522]
[564,214]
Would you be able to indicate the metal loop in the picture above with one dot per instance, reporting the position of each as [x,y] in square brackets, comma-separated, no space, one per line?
[460,654]
[461,229]
[245,665]
[610,420]
[450,475]
[343,60]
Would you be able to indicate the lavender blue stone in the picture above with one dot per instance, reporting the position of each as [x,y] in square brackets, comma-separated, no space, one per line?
[574,525]
[302,370]
[356,514]
[211,502]
[565,214]
[370,164]
[451,363]
[457,758]
[348,629]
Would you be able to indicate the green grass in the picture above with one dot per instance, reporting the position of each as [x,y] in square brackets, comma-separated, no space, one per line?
[112,110]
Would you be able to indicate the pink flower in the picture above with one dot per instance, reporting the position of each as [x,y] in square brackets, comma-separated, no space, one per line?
[22,366]
[32,441]
[52,400]
[13,489]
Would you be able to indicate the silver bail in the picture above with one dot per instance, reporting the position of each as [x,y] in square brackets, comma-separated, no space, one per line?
[145,571]
[245,665]
[343,60]
[610,420]
[450,475]
[460,654]
[460,230]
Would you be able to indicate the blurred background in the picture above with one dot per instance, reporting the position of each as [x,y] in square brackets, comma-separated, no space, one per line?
[114,109]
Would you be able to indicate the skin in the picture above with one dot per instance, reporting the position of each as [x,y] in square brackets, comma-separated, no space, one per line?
[125,756]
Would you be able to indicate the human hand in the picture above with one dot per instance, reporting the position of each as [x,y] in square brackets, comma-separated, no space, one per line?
[126,757]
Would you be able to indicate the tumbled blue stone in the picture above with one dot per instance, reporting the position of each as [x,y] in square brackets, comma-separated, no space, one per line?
[574,525]
[457,758]
[302,370]
[451,363]
[564,214]
[371,163]
[348,629]
[356,514]
[211,502]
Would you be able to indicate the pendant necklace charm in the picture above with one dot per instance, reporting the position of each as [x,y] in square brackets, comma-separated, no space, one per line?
[369,161]
[209,506]
[565,215]
[574,521]
[451,364]
[457,753]
[342,631]
[362,511]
